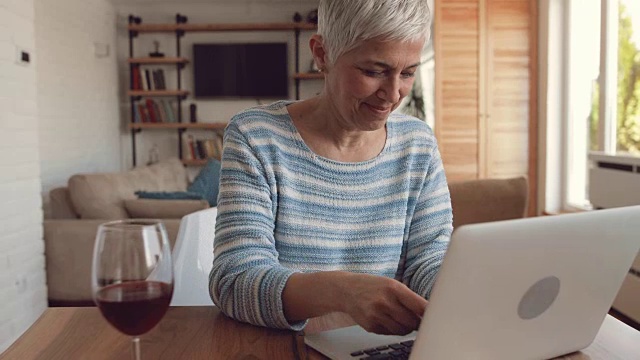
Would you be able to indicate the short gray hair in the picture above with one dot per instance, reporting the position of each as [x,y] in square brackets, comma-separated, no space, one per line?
[344,24]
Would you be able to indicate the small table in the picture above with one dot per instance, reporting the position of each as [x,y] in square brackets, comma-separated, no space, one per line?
[205,333]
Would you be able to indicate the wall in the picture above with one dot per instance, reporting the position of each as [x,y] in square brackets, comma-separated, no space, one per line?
[23,292]
[218,12]
[77,89]
[59,117]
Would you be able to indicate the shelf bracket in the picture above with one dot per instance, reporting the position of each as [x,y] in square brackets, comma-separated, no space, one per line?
[134,20]
[181,19]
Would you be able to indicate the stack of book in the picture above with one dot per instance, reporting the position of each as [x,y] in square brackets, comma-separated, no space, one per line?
[201,149]
[148,79]
[154,111]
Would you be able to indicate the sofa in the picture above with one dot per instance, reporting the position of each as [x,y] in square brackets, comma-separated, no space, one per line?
[92,199]
[89,200]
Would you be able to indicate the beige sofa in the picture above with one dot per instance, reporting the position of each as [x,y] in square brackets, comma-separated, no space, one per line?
[92,199]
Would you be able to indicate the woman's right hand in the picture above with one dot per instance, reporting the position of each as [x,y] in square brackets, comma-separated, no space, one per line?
[381,305]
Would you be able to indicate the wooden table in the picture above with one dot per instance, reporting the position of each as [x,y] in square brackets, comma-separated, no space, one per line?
[205,333]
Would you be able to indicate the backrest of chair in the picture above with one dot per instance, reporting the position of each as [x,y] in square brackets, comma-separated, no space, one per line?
[484,200]
[193,258]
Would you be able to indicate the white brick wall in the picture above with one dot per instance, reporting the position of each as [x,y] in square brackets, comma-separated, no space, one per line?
[23,293]
[58,117]
[77,91]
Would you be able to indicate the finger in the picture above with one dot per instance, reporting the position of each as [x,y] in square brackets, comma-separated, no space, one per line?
[394,327]
[412,301]
[405,317]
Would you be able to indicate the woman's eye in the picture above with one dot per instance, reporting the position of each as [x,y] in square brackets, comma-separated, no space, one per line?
[373,73]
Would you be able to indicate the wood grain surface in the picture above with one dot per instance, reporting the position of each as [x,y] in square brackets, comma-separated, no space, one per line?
[205,333]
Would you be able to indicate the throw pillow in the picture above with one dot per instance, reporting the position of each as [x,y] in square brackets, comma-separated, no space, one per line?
[163,209]
[207,182]
[169,195]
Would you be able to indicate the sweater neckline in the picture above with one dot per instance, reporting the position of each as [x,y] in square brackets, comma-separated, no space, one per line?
[313,155]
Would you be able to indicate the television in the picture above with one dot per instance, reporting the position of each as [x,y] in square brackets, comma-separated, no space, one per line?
[240,70]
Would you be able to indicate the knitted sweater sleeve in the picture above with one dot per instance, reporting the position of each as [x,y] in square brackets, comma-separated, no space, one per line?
[246,281]
[430,230]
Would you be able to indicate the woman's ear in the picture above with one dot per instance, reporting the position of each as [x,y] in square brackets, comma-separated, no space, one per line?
[319,52]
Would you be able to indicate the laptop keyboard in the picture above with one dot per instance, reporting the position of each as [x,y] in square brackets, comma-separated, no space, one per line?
[391,351]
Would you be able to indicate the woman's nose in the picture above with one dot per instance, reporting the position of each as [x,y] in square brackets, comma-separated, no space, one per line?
[390,90]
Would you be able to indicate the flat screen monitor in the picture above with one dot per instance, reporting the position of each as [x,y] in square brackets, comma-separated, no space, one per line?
[241,70]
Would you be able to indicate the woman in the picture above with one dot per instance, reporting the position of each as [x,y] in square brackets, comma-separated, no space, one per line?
[336,204]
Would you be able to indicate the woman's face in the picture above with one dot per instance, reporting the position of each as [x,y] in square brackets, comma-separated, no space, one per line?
[367,83]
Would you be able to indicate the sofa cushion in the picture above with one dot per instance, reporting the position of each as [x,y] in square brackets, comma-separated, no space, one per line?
[69,252]
[163,209]
[60,204]
[169,195]
[207,183]
[102,195]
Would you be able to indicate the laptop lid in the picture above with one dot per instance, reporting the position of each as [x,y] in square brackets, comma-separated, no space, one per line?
[528,289]
[533,288]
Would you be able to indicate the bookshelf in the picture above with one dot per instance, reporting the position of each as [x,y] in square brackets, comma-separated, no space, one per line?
[308,76]
[169,28]
[180,28]
[158,93]
[161,60]
[165,126]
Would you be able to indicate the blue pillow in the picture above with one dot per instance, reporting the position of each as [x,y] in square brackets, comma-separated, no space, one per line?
[169,195]
[207,182]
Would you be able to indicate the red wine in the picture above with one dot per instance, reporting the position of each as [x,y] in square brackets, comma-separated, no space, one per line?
[134,307]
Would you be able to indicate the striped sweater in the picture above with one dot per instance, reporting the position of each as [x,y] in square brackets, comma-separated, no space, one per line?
[284,209]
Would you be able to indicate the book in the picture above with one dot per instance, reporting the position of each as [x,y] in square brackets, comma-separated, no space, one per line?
[153,117]
[155,74]
[161,77]
[192,146]
[210,148]
[201,152]
[144,116]
[186,149]
[162,117]
[141,79]
[148,80]
[168,109]
[135,78]
[136,115]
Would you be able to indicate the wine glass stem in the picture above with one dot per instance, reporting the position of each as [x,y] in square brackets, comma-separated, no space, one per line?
[135,348]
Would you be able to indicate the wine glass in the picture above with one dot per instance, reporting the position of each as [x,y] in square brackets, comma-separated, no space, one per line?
[132,276]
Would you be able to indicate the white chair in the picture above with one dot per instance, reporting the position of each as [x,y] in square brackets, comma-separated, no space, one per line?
[193,258]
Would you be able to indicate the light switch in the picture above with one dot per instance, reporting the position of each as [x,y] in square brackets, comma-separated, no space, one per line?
[23,56]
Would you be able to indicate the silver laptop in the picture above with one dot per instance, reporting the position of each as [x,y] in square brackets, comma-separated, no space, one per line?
[533,288]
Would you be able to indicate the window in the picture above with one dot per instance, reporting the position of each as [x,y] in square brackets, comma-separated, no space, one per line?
[628,100]
[583,55]
[602,88]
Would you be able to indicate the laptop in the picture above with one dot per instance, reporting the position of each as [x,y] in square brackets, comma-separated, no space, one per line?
[533,288]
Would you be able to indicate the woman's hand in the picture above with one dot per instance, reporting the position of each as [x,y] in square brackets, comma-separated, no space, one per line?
[378,304]
[382,305]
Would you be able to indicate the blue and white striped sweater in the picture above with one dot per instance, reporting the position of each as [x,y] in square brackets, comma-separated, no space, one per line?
[283,209]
